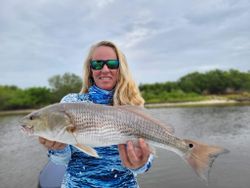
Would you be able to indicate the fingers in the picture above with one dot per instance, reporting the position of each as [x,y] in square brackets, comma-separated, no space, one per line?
[124,156]
[59,145]
[144,149]
[42,140]
[51,145]
[132,156]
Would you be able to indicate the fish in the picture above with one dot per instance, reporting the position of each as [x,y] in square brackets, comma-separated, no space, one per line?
[88,125]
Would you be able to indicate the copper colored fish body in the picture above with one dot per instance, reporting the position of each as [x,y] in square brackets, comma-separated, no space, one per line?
[88,125]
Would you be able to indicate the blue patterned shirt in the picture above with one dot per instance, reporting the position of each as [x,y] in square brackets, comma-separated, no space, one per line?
[86,171]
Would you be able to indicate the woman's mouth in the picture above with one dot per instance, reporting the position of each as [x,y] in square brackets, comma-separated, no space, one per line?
[105,78]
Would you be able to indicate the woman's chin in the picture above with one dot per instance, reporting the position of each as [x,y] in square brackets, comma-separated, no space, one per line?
[106,85]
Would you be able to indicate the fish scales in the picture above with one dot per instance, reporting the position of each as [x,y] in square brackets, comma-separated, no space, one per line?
[106,122]
[89,126]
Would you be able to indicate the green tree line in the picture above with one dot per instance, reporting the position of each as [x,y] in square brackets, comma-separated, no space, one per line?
[196,86]
[193,86]
[12,97]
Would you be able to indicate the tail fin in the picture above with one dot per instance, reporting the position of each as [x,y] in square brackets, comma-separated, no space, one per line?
[202,156]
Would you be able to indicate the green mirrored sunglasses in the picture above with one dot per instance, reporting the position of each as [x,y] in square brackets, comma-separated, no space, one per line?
[99,64]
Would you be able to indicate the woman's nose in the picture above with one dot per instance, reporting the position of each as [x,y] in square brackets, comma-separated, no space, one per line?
[105,68]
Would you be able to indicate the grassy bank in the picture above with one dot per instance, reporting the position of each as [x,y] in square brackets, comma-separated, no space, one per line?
[198,104]
[201,100]
[190,100]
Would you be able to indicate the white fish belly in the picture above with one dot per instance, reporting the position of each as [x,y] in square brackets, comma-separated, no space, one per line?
[104,138]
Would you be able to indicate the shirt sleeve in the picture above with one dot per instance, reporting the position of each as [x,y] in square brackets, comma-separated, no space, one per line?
[60,157]
[70,98]
[145,167]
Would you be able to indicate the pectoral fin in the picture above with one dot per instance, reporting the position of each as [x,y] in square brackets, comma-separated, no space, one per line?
[86,149]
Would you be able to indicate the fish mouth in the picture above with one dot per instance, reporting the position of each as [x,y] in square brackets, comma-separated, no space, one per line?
[27,129]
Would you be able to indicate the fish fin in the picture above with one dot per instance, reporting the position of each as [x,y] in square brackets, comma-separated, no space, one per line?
[143,112]
[86,149]
[201,157]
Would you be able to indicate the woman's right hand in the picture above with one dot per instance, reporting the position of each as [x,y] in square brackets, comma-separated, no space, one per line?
[51,145]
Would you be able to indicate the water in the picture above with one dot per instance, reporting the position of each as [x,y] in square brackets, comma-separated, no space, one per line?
[22,157]
[228,127]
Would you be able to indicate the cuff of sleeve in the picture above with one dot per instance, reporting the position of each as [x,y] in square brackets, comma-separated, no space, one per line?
[59,151]
[145,167]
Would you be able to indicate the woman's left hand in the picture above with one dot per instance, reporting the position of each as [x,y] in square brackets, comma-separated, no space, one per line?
[134,156]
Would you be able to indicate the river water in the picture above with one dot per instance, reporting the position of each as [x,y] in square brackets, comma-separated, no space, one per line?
[22,158]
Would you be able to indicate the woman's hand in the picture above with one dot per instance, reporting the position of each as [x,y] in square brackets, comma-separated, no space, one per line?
[51,145]
[134,156]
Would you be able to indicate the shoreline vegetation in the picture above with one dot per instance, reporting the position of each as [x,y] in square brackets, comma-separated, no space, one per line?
[204,103]
[215,87]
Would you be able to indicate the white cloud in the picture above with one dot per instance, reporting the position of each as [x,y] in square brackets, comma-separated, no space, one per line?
[163,40]
[103,3]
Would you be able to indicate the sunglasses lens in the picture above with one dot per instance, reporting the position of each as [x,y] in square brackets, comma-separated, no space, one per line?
[97,65]
[113,64]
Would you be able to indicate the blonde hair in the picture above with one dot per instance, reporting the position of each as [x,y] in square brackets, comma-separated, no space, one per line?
[126,91]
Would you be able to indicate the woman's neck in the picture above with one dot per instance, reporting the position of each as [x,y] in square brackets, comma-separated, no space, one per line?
[101,96]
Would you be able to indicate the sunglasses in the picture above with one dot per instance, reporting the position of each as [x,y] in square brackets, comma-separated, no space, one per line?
[99,64]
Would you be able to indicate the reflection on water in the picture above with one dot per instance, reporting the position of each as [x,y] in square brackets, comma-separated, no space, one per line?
[22,158]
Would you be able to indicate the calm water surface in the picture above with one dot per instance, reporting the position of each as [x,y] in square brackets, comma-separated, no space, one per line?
[22,158]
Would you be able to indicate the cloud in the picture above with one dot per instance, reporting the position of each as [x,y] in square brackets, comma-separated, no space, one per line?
[163,40]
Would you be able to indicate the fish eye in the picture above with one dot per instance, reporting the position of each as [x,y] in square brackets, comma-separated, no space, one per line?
[31,117]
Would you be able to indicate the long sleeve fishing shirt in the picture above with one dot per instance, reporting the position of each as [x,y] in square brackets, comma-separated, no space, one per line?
[86,171]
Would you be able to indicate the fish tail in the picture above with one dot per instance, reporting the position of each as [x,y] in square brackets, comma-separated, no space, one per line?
[201,157]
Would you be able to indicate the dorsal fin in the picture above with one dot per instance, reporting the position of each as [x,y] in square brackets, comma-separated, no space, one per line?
[145,114]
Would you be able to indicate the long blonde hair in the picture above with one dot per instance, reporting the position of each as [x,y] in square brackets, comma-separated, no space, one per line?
[126,90]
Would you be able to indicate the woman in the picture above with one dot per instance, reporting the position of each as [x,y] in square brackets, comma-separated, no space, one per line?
[107,81]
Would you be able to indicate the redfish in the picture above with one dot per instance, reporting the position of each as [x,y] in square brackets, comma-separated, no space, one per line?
[88,125]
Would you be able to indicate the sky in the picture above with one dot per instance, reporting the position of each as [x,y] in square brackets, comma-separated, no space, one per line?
[163,40]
